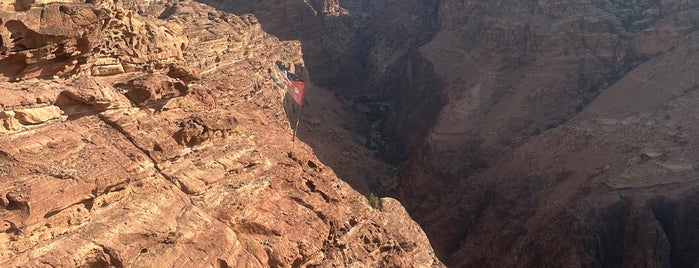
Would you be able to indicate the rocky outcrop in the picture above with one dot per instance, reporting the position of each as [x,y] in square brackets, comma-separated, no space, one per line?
[47,40]
[162,142]
[153,90]
[60,39]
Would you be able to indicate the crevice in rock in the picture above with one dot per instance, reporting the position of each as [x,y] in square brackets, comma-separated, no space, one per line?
[18,200]
[679,220]
[223,264]
[114,259]
[311,186]
[73,108]
[126,135]
[87,203]
[48,263]
[604,232]
[305,204]
[145,151]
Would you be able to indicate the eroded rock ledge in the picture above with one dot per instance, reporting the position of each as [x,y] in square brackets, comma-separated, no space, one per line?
[131,140]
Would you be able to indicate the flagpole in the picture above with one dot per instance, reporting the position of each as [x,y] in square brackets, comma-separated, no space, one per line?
[293,138]
[298,119]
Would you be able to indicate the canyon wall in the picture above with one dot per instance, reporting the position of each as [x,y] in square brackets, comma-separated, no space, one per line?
[588,193]
[515,71]
[530,133]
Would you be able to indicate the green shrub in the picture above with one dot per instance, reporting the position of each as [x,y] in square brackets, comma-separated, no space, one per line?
[373,201]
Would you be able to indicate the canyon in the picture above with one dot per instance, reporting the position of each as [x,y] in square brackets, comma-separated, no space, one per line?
[516,134]
[536,133]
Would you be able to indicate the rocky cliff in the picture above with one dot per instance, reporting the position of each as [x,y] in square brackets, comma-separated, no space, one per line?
[517,133]
[148,134]
[524,133]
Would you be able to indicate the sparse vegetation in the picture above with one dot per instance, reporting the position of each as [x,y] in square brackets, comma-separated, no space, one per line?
[374,201]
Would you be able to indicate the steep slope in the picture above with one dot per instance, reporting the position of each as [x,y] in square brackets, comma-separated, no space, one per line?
[505,164]
[358,50]
[161,142]
[616,185]
[512,71]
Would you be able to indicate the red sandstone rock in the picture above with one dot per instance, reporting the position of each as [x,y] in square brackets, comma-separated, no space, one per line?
[90,179]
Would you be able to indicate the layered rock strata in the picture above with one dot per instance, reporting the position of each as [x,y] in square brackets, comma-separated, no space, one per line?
[131,140]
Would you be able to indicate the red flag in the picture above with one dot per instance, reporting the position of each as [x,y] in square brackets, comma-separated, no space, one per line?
[289,81]
[296,89]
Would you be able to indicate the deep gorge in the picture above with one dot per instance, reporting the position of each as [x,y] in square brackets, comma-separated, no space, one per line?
[470,87]
[516,134]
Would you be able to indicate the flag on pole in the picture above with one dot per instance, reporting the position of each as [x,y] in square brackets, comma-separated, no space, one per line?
[288,81]
[291,82]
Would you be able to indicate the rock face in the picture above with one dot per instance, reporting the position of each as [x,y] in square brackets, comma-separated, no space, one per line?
[590,189]
[538,171]
[534,133]
[162,142]
[62,39]
[517,133]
